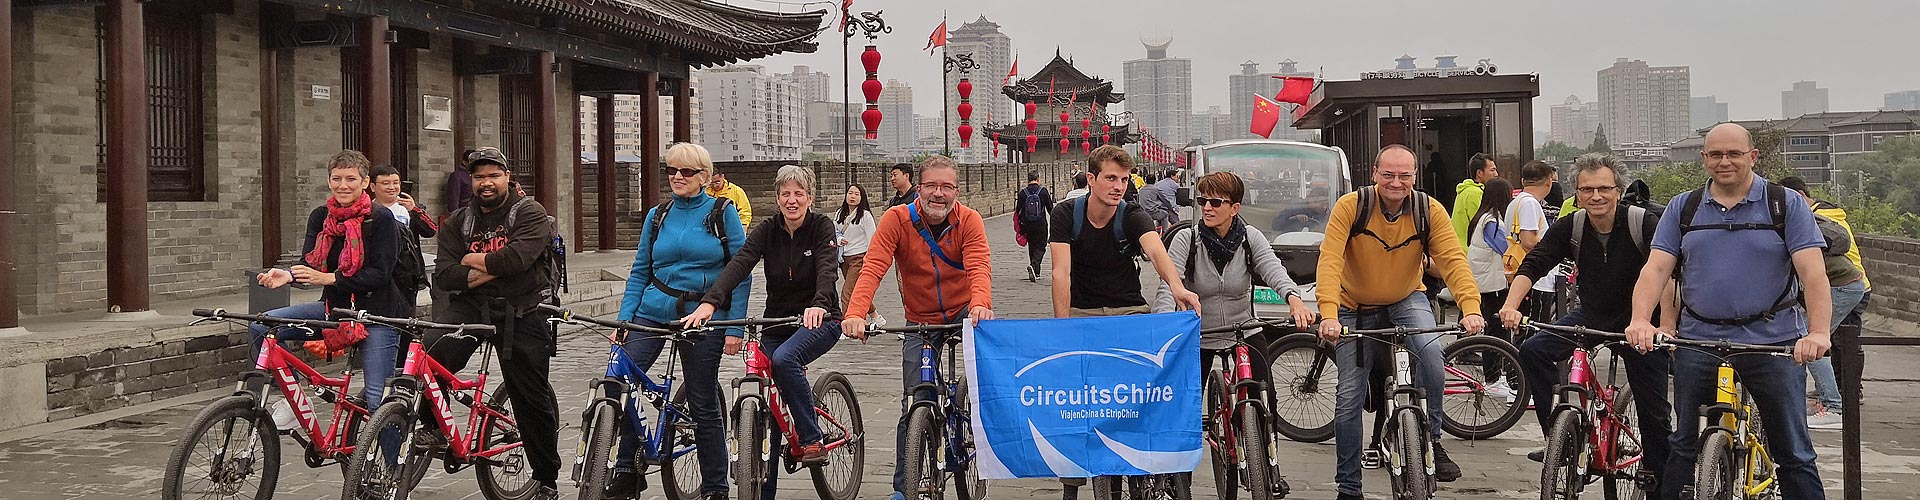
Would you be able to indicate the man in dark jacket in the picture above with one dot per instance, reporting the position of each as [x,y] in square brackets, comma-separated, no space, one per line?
[494,263]
[1608,259]
[1033,203]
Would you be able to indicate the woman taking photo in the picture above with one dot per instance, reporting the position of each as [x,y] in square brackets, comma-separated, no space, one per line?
[802,258]
[855,224]
[679,259]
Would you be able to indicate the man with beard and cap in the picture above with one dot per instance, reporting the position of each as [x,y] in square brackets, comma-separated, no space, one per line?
[495,264]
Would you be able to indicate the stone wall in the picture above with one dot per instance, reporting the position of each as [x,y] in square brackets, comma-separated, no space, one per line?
[126,376]
[1894,266]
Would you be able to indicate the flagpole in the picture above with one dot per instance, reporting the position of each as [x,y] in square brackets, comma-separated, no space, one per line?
[946,138]
[846,95]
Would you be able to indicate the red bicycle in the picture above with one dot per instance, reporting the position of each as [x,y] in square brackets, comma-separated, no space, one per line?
[834,404]
[395,449]
[1238,425]
[236,437]
[1591,436]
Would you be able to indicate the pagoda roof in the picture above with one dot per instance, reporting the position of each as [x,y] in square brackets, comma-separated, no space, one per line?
[709,33]
[1061,80]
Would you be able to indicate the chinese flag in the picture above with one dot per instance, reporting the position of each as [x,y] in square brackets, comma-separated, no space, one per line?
[1010,73]
[1296,89]
[846,17]
[1266,115]
[938,38]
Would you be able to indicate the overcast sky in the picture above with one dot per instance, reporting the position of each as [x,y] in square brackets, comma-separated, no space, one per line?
[1744,52]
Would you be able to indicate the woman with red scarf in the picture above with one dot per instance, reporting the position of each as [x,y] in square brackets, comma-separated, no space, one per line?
[349,252]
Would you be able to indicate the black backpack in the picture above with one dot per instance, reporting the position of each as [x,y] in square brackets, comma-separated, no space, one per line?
[1167,239]
[410,270]
[1777,209]
[1117,224]
[555,257]
[1032,207]
[1639,232]
[715,219]
[1421,219]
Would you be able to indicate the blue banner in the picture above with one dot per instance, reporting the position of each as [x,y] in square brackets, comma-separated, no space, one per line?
[1085,397]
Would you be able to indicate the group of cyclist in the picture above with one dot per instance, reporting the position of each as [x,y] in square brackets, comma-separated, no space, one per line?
[695,258]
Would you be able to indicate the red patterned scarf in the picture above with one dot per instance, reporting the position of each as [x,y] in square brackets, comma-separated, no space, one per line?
[342,222]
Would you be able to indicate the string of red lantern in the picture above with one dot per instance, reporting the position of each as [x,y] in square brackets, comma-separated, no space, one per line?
[870,59]
[965,89]
[1032,126]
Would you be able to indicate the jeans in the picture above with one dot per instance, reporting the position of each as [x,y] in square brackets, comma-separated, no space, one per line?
[377,353]
[701,368]
[1777,388]
[1647,376]
[1351,397]
[789,354]
[1846,298]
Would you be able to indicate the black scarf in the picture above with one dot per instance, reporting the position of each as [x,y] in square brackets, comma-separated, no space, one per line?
[1220,249]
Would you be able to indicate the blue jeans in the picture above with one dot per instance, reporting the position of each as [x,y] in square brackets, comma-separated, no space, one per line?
[790,353]
[1777,388]
[1647,376]
[1351,397]
[377,353]
[1846,298]
[701,382]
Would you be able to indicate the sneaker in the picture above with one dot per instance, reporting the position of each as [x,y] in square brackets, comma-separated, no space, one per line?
[714,495]
[624,484]
[428,439]
[813,454]
[897,496]
[1444,470]
[1537,456]
[1500,389]
[1825,420]
[1280,487]
[545,493]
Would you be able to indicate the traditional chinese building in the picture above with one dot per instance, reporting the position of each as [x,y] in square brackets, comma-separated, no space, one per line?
[1059,87]
[159,147]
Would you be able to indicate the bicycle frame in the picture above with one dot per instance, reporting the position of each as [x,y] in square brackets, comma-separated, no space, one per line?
[933,377]
[759,371]
[462,446]
[1238,388]
[1728,395]
[632,384]
[279,366]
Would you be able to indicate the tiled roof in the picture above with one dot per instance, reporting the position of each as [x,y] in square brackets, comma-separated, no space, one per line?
[1877,117]
[712,33]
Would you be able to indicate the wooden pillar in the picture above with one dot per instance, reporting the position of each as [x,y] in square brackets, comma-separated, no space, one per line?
[126,138]
[377,100]
[650,136]
[545,142]
[683,111]
[9,295]
[270,167]
[609,172]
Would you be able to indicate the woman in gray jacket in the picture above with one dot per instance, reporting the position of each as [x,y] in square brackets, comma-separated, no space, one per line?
[1216,267]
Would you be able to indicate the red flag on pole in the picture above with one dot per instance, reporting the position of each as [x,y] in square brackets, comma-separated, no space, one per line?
[1266,115]
[1050,84]
[1295,89]
[846,14]
[938,38]
[1010,73]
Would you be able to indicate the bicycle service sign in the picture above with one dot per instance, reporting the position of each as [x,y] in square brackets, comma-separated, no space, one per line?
[1083,397]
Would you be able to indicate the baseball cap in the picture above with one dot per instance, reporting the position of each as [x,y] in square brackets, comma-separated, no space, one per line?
[486,155]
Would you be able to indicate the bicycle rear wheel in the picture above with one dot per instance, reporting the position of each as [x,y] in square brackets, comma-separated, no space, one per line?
[1221,441]
[1304,381]
[1714,477]
[839,479]
[750,441]
[507,476]
[1408,449]
[1471,407]
[1560,477]
[1624,483]
[242,448]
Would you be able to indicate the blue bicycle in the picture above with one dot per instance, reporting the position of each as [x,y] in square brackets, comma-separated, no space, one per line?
[617,410]
[939,439]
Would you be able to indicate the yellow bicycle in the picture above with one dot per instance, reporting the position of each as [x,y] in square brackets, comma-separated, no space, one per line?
[1733,462]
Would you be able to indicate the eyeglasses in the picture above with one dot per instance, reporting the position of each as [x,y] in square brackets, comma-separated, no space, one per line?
[1724,155]
[1213,202]
[1589,191]
[931,186]
[683,172]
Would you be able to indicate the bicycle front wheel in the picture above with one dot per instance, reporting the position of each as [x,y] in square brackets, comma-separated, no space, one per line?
[1304,381]
[380,465]
[679,469]
[1560,476]
[919,457]
[750,447]
[1255,442]
[1485,392]
[595,468]
[839,479]
[967,484]
[1713,475]
[1410,458]
[240,448]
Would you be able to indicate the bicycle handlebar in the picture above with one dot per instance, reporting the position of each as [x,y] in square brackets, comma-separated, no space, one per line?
[567,316]
[947,327]
[222,314]
[1574,330]
[1726,346]
[1251,323]
[409,323]
[1401,330]
[729,323]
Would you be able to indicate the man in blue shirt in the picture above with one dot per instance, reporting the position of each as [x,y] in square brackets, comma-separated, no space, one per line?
[1737,264]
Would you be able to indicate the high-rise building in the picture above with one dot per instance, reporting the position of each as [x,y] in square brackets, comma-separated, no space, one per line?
[1573,122]
[1240,91]
[926,126]
[814,85]
[1804,98]
[1160,93]
[628,110]
[1208,126]
[897,132]
[750,115]
[830,117]
[1707,111]
[1902,100]
[1641,103]
[992,53]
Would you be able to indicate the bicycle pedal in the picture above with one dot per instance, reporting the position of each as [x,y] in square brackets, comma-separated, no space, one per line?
[1372,459]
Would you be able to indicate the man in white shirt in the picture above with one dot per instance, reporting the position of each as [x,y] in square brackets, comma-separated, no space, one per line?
[410,274]
[1529,221]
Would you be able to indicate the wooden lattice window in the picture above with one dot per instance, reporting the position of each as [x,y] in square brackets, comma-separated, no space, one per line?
[175,133]
[353,99]
[516,126]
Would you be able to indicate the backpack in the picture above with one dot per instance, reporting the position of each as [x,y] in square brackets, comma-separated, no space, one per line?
[1167,239]
[555,256]
[1420,219]
[409,272]
[1032,207]
[715,219]
[1776,201]
[1117,224]
[1639,231]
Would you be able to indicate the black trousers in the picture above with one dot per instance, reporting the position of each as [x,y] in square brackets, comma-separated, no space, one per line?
[1036,243]
[525,346]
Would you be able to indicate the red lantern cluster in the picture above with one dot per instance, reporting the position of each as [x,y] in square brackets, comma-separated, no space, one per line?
[996,142]
[966,112]
[1032,126]
[870,59]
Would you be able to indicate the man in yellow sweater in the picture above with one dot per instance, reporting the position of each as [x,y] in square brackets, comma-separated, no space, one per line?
[1371,280]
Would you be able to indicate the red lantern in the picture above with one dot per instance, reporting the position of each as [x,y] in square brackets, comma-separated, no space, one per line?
[1032,140]
[966,110]
[1105,139]
[1031,108]
[1106,129]
[1086,123]
[871,118]
[1064,118]
[1064,131]
[1032,124]
[965,88]
[871,88]
[870,60]
[966,135]
[996,144]
[1086,147]
[1084,134]
[1064,144]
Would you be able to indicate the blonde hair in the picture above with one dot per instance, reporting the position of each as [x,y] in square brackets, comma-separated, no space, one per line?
[689,155]
[794,174]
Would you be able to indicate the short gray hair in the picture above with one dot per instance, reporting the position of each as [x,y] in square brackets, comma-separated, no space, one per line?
[794,174]
[938,161]
[1593,162]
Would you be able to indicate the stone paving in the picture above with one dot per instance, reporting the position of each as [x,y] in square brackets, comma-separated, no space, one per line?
[124,458]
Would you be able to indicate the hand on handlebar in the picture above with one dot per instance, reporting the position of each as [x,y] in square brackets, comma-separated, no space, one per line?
[1471,324]
[980,313]
[1811,348]
[1641,334]
[812,318]
[854,328]
[1511,317]
[1330,330]
[698,317]
[1301,314]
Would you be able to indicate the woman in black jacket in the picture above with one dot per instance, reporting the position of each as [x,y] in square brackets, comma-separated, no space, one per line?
[349,251]
[802,261]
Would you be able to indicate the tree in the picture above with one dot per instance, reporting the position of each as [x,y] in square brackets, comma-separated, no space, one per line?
[1772,164]
[1600,144]
[1556,150]
[1669,180]
[812,156]
[1890,175]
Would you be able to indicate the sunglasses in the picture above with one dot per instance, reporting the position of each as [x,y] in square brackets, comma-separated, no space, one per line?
[683,172]
[1213,202]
